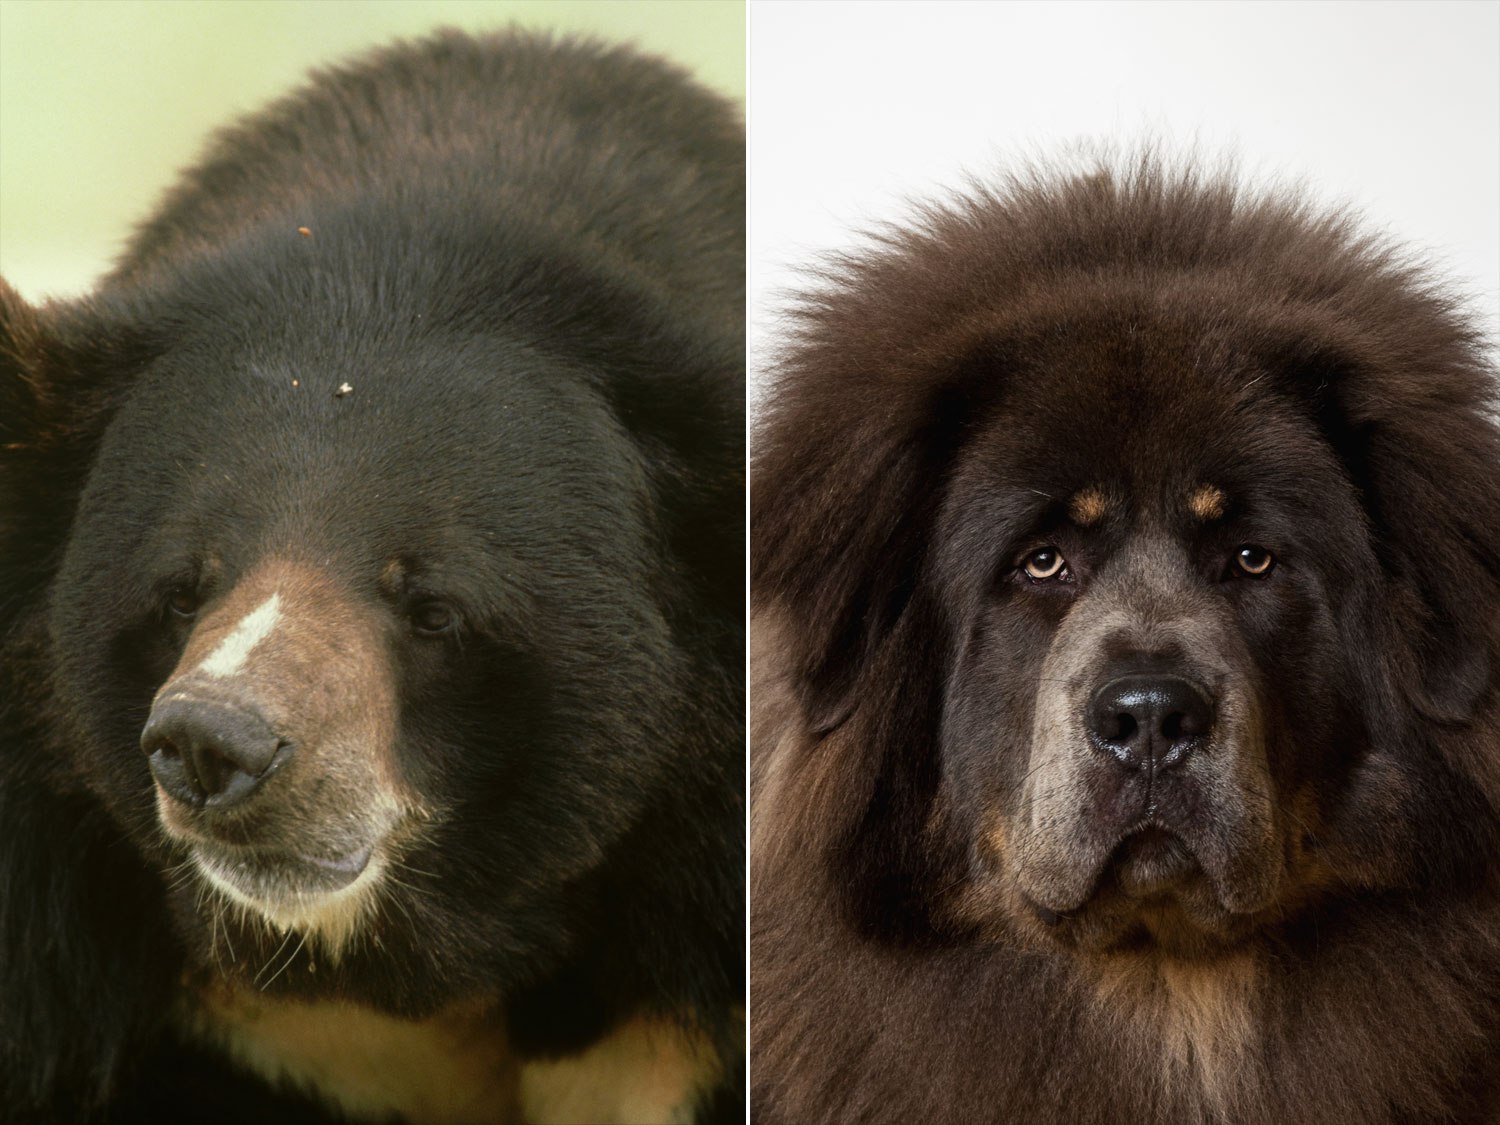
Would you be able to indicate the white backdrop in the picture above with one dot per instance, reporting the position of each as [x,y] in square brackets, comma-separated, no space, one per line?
[855,107]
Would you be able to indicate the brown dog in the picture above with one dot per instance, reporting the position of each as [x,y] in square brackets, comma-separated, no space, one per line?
[1127,619]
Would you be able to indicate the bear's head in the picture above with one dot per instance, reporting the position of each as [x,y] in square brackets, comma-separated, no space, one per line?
[367,637]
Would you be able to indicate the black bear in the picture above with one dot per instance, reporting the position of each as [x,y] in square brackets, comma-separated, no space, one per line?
[371,602]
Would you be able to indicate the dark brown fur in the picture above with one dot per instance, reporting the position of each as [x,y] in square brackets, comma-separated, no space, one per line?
[1146,333]
[437,364]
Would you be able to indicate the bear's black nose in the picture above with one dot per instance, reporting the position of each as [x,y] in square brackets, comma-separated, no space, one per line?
[207,753]
[1149,720]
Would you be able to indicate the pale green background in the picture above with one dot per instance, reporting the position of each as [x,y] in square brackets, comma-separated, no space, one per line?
[103,101]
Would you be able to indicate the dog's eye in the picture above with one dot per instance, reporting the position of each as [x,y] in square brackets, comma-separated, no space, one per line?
[433,617]
[182,602]
[1044,564]
[1254,561]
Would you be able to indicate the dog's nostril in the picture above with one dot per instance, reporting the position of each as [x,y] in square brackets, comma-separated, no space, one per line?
[1149,719]
[1171,726]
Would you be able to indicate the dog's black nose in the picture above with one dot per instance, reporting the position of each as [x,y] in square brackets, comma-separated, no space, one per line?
[1150,720]
[204,752]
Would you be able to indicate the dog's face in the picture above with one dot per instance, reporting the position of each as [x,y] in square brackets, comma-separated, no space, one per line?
[1152,700]
[1131,553]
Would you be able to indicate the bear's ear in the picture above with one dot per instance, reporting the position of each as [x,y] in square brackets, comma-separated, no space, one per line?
[23,364]
[62,367]
[845,490]
[36,473]
[62,364]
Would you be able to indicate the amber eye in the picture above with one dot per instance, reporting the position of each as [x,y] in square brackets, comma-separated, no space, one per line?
[182,602]
[433,617]
[1254,561]
[1044,564]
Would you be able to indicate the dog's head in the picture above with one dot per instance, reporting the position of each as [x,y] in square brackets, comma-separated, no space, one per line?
[1157,597]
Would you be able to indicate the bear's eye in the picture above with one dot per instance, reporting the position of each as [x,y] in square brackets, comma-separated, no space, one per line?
[1254,561]
[182,602]
[1047,563]
[433,618]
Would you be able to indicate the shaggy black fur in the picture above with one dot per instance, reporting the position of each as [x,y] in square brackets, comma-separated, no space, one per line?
[526,258]
[1126,336]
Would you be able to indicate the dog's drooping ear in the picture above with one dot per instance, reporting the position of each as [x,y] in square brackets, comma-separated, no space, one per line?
[1437,534]
[839,537]
[1444,535]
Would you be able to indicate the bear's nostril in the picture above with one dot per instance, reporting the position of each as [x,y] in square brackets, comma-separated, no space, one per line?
[165,748]
[208,753]
[212,770]
[173,774]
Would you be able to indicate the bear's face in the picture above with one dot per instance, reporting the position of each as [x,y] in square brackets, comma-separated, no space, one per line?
[321,615]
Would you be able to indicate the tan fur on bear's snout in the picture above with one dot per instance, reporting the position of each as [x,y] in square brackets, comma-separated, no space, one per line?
[288,645]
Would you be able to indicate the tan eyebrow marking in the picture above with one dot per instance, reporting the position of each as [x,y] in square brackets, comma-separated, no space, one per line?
[1207,502]
[393,576]
[1087,507]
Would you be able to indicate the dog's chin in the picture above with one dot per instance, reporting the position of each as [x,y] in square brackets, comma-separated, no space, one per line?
[323,897]
[1152,863]
[1187,923]
[1150,895]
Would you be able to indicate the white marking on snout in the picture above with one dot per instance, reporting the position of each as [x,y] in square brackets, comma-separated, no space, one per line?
[253,628]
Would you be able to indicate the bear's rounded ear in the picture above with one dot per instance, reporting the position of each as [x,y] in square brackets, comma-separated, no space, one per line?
[29,425]
[23,364]
[62,364]
[844,492]
[62,368]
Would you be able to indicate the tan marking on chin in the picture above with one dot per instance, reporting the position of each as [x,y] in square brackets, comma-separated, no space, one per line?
[454,1068]
[646,1072]
[1207,502]
[1088,507]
